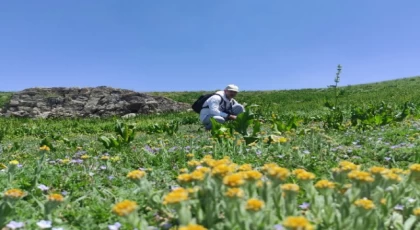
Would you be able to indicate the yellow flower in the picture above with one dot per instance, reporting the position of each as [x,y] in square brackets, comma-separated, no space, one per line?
[193,163]
[56,197]
[190,155]
[416,212]
[415,168]
[224,161]
[347,166]
[295,148]
[365,204]
[268,166]
[290,187]
[377,170]
[193,227]
[124,207]
[105,158]
[85,157]
[136,174]
[14,193]
[397,170]
[245,167]
[184,178]
[183,170]
[44,148]
[234,192]
[197,175]
[252,175]
[360,176]
[392,176]
[282,140]
[278,173]
[221,170]
[176,196]
[234,180]
[193,190]
[254,204]
[65,161]
[324,184]
[298,171]
[297,223]
[14,162]
[305,176]
[383,201]
[115,159]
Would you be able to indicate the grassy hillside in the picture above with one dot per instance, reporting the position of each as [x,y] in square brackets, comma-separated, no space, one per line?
[360,176]
[312,100]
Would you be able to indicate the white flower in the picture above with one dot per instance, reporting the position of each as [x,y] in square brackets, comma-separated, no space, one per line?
[44,224]
[57,229]
[43,187]
[115,226]
[15,225]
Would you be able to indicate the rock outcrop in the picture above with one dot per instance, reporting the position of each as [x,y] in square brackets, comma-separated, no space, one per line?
[86,102]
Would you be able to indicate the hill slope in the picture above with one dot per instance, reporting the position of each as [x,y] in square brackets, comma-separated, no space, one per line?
[310,100]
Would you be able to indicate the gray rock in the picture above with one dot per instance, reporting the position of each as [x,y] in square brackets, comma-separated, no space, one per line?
[87,102]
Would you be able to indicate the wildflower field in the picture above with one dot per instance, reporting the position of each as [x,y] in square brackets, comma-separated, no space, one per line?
[292,161]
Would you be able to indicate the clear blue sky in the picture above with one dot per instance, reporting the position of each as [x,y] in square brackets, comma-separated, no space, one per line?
[178,45]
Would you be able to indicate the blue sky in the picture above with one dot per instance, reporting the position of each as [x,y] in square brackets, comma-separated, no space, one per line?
[178,45]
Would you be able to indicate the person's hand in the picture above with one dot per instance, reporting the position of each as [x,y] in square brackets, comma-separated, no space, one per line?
[232,117]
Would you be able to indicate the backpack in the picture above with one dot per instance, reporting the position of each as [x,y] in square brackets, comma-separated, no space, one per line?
[198,104]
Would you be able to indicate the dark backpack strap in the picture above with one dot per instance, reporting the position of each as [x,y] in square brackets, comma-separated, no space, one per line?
[220,101]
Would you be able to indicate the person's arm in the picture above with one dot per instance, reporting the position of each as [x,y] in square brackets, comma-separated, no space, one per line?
[213,103]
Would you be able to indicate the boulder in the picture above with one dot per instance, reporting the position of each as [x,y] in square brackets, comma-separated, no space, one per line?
[94,102]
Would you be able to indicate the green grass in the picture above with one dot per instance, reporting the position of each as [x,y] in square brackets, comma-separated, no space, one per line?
[4,98]
[95,184]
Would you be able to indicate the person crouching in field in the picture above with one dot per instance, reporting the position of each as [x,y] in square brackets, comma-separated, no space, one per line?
[221,106]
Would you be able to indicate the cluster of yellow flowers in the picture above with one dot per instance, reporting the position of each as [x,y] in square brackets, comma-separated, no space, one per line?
[176,196]
[14,193]
[124,207]
[136,175]
[297,223]
[365,204]
[55,197]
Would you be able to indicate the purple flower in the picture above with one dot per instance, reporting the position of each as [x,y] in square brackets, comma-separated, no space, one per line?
[43,187]
[166,226]
[111,177]
[64,193]
[258,152]
[15,225]
[399,207]
[304,205]
[19,166]
[148,149]
[278,227]
[115,226]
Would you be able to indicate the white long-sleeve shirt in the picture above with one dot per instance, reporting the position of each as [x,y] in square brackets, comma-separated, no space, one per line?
[215,108]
